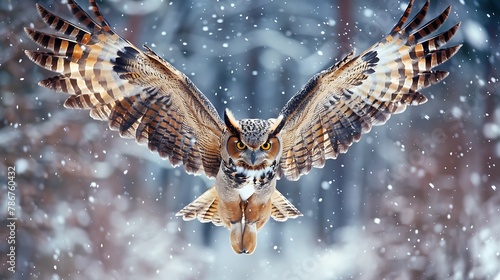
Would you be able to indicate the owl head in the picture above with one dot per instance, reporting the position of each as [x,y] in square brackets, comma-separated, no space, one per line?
[252,143]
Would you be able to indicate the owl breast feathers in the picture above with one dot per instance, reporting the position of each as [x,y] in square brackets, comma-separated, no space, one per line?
[144,97]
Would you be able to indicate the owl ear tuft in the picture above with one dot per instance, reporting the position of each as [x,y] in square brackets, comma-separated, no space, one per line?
[277,125]
[231,123]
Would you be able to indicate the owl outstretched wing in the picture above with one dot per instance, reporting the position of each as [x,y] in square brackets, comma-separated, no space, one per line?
[341,103]
[137,92]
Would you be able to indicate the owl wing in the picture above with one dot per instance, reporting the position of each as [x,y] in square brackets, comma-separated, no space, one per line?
[137,92]
[339,104]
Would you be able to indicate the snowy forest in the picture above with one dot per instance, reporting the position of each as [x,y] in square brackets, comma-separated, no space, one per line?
[416,198]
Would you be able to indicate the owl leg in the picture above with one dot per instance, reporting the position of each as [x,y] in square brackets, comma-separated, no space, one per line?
[235,234]
[257,213]
[231,215]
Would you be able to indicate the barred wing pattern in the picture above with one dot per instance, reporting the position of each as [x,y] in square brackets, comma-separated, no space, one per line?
[138,93]
[339,104]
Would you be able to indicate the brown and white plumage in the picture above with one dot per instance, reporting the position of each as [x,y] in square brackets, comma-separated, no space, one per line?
[144,97]
[138,93]
[339,104]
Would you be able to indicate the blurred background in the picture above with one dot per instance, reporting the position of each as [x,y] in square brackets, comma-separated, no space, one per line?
[417,198]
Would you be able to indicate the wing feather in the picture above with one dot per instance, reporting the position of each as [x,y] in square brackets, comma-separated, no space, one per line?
[136,92]
[341,103]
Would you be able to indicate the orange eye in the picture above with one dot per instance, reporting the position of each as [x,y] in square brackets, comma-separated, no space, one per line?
[266,146]
[240,145]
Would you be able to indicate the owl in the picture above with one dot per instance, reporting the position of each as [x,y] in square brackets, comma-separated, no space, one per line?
[144,97]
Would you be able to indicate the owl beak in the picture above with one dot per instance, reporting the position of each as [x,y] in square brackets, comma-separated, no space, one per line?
[253,157]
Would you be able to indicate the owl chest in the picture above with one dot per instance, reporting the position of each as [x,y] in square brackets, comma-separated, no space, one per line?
[246,182]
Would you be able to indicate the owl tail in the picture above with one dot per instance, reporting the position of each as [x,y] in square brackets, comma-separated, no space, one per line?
[204,208]
[282,208]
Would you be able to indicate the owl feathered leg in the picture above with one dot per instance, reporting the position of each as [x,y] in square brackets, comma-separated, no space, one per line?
[257,213]
[245,218]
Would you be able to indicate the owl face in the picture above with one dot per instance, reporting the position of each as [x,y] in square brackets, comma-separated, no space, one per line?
[253,144]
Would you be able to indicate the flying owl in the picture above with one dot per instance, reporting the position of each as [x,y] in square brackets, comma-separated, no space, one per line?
[144,97]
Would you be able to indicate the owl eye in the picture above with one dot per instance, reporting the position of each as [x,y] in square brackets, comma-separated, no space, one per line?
[240,145]
[266,146]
